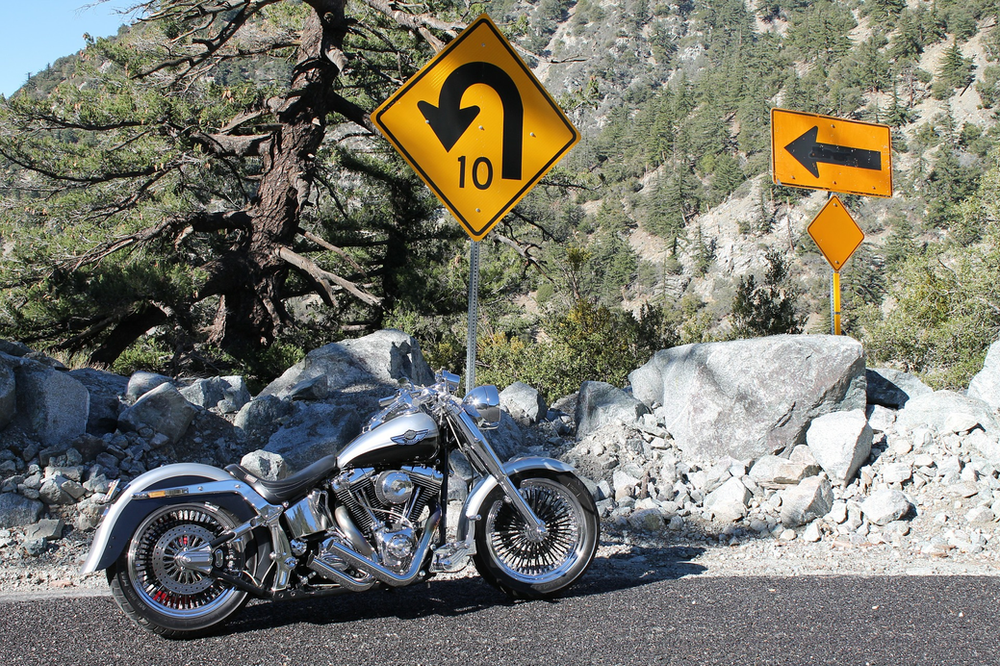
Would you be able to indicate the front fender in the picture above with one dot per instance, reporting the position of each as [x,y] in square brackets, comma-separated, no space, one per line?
[474,503]
[126,513]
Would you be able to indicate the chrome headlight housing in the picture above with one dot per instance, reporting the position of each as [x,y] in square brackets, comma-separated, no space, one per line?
[483,404]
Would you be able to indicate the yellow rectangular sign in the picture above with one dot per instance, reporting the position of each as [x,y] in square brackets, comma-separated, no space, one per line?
[828,153]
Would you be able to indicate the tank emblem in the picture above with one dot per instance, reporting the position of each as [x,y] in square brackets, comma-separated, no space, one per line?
[410,437]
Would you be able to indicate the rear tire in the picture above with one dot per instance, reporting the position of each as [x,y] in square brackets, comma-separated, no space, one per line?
[511,560]
[166,599]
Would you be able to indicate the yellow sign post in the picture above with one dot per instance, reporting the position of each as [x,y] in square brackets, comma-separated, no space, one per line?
[477,126]
[838,236]
[827,153]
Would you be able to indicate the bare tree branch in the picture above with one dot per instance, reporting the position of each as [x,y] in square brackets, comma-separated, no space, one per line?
[310,267]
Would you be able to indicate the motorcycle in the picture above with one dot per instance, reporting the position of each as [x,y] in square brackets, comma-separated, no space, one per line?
[185,546]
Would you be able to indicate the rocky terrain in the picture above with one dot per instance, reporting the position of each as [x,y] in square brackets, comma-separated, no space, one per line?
[773,456]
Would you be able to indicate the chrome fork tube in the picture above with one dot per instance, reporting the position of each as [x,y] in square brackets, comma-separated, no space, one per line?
[482,456]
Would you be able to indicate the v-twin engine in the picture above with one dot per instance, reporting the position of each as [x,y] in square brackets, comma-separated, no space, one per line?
[378,514]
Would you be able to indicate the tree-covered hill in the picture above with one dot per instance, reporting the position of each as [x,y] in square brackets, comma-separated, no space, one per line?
[131,170]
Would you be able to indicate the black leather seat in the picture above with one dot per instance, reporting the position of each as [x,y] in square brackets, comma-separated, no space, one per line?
[287,490]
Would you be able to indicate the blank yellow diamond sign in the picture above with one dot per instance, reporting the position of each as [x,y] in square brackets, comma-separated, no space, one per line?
[836,233]
[477,126]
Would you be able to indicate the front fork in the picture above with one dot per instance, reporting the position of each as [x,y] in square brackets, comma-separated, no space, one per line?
[481,455]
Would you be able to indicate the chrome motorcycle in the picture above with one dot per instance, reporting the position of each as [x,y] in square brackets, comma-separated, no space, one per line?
[185,546]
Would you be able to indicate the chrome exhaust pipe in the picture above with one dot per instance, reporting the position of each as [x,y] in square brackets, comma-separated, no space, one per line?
[362,563]
[339,577]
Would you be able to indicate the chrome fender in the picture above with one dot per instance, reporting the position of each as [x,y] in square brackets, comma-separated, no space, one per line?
[472,510]
[114,530]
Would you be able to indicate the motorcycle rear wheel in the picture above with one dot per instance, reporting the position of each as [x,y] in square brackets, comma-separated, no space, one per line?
[169,600]
[512,560]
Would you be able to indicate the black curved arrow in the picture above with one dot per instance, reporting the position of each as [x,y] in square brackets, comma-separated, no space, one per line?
[808,152]
[449,121]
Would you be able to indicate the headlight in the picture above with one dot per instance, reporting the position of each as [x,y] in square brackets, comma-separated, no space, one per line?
[483,403]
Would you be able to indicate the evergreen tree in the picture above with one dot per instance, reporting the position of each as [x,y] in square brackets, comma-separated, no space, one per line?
[956,71]
[767,308]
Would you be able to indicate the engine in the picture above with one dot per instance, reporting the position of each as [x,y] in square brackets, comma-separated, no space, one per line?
[380,512]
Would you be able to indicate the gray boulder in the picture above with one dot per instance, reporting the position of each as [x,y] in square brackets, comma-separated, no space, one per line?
[749,398]
[162,409]
[893,388]
[943,409]
[772,471]
[8,397]
[313,430]
[225,394]
[106,390]
[262,417]
[16,510]
[524,403]
[265,465]
[600,403]
[841,443]
[728,502]
[50,403]
[886,505]
[811,499]
[381,359]
[986,384]
[142,382]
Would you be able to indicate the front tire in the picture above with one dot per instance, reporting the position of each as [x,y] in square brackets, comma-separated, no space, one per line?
[511,560]
[165,598]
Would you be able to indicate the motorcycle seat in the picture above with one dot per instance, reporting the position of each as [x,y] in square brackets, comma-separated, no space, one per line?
[289,489]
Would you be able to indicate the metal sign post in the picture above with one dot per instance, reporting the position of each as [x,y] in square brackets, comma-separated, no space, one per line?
[470,353]
[835,302]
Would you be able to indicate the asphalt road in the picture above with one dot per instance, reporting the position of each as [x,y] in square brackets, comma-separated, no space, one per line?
[650,609]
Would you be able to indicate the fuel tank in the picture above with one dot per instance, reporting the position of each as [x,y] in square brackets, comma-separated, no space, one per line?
[399,441]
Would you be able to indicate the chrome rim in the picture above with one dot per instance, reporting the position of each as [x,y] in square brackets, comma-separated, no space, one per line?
[160,581]
[526,557]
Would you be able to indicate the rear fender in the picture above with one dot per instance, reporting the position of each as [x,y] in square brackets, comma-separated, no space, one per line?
[472,510]
[124,516]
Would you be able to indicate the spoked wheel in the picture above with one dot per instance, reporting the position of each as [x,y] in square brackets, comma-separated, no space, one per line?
[159,590]
[522,564]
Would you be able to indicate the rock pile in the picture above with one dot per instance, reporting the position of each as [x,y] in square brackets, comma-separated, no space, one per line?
[786,439]
[912,468]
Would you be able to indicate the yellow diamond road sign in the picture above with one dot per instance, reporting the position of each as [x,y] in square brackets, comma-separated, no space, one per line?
[828,153]
[836,233]
[477,126]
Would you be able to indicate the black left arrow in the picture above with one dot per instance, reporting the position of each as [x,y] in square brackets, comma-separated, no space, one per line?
[449,121]
[809,152]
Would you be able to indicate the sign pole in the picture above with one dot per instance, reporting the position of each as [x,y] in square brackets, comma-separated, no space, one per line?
[835,289]
[470,354]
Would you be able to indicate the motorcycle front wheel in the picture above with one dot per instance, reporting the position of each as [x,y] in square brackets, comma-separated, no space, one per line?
[523,565]
[165,598]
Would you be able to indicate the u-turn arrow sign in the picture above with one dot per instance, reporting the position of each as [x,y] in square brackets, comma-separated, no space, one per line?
[477,126]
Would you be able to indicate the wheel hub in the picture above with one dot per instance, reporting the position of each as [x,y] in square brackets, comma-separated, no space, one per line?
[171,559]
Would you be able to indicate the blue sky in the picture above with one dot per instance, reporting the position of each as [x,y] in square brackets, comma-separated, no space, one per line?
[35,33]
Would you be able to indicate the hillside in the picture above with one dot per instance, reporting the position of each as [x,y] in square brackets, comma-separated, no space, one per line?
[661,227]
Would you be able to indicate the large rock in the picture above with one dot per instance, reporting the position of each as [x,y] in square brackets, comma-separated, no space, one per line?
[884,506]
[600,403]
[728,502]
[50,403]
[381,359]
[811,499]
[16,510]
[262,417]
[265,465]
[841,443]
[106,390]
[164,410]
[142,382]
[8,398]
[986,384]
[893,388]
[771,471]
[943,409]
[226,394]
[524,403]
[314,430]
[749,398]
